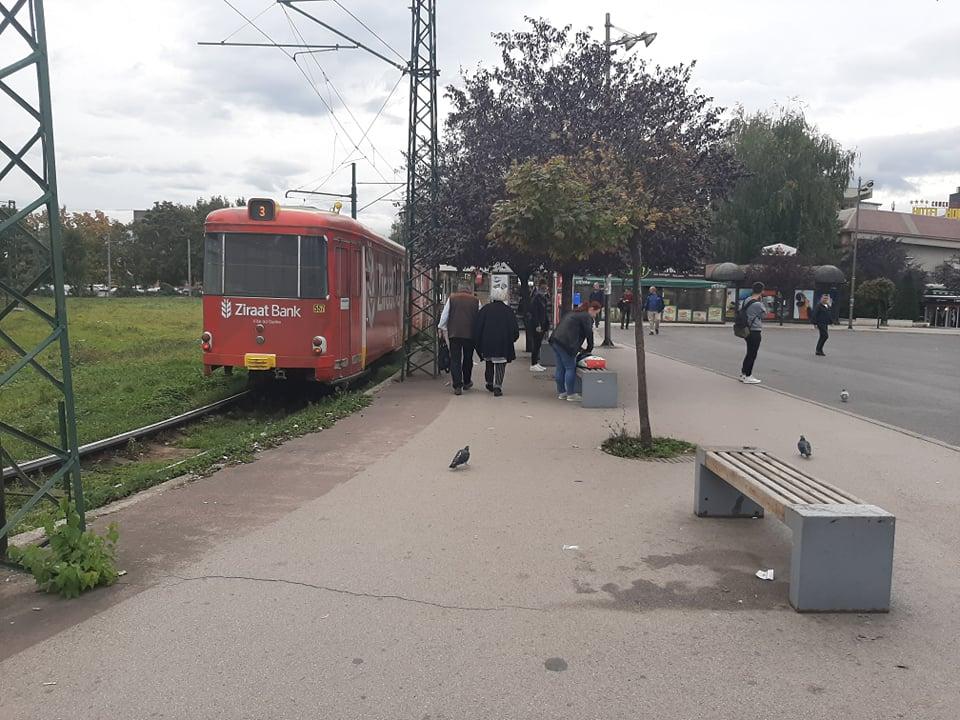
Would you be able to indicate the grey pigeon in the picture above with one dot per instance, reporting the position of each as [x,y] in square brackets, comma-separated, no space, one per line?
[844,395]
[804,447]
[461,458]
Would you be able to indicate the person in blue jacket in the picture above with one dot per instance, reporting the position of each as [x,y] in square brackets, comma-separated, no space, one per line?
[653,305]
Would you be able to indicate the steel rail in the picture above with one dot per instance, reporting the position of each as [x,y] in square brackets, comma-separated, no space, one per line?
[125,437]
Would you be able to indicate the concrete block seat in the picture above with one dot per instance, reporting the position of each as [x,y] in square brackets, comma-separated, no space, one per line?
[842,557]
[598,388]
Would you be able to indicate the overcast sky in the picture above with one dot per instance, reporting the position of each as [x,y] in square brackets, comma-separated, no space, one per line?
[144,114]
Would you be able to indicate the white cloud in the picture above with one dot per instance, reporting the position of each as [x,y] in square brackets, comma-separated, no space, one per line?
[142,113]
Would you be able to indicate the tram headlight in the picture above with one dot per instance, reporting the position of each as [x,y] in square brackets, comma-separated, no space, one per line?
[206,341]
[319,345]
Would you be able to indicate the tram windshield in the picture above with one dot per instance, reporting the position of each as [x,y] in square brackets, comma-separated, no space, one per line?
[258,265]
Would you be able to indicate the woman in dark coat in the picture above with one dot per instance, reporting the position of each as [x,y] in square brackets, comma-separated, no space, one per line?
[494,337]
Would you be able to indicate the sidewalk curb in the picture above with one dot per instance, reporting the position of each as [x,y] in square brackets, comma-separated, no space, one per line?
[879,423]
[38,534]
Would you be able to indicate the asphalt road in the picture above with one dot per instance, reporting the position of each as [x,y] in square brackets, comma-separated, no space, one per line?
[911,380]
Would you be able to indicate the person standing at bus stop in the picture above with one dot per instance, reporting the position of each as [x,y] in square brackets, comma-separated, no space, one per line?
[538,323]
[457,322]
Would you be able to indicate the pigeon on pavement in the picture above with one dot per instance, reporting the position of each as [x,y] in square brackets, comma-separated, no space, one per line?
[804,447]
[844,395]
[461,458]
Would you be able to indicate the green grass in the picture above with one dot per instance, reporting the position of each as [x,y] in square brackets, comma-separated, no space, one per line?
[625,445]
[136,361]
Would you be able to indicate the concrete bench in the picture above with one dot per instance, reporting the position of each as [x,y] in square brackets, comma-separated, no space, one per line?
[598,388]
[842,558]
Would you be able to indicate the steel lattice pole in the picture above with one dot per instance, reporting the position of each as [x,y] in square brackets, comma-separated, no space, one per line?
[421,299]
[22,25]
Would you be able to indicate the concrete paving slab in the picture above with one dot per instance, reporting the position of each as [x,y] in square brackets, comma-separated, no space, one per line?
[412,591]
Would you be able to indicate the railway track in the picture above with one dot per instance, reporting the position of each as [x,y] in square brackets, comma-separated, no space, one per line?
[125,437]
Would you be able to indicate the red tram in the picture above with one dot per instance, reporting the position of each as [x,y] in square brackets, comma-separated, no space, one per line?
[298,292]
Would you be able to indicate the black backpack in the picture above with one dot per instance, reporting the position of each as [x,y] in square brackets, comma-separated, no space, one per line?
[741,327]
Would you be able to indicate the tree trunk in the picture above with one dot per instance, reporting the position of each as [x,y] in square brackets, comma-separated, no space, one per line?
[646,433]
[566,300]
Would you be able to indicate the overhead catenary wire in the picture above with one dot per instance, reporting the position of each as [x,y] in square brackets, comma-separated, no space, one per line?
[340,97]
[308,79]
[382,197]
[370,30]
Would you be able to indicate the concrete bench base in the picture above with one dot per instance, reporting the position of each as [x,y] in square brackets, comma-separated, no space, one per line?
[842,556]
[598,388]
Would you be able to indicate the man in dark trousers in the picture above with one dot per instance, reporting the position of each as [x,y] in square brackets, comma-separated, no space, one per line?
[538,324]
[457,322]
[626,307]
[597,296]
[754,310]
[822,317]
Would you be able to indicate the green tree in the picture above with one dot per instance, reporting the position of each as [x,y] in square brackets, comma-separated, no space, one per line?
[551,212]
[947,273]
[791,190]
[878,294]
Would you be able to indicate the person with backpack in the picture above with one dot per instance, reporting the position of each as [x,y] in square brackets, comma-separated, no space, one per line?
[567,339]
[822,317]
[749,326]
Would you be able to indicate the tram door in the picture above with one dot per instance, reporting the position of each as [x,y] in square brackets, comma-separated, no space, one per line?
[356,307]
[342,259]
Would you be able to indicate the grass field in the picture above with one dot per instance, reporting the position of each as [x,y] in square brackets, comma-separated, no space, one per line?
[137,361]
[134,360]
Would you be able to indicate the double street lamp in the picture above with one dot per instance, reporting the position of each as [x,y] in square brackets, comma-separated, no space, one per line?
[628,41]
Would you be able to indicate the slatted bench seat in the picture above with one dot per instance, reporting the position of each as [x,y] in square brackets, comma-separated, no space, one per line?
[597,387]
[842,558]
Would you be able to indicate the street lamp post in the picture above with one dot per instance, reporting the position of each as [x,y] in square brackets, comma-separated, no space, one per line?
[856,236]
[628,41]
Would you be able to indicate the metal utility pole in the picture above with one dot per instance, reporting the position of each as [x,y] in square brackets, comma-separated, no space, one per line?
[109,269]
[856,237]
[23,35]
[422,296]
[189,267]
[628,41]
[352,195]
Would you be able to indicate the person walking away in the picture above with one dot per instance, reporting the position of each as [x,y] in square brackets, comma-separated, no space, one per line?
[494,336]
[566,340]
[822,317]
[653,304]
[456,323]
[597,296]
[539,323]
[626,307]
[753,310]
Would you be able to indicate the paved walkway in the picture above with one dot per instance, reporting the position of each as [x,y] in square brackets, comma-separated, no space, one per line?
[381,585]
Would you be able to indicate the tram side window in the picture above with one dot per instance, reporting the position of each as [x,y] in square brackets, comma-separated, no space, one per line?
[313,267]
[213,264]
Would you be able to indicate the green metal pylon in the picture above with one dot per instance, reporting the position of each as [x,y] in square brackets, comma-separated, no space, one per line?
[22,27]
